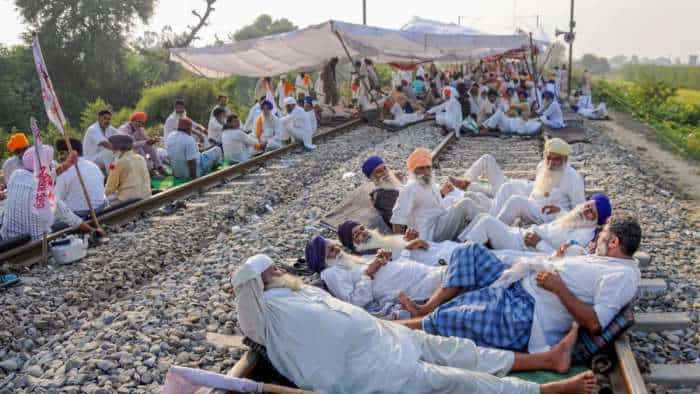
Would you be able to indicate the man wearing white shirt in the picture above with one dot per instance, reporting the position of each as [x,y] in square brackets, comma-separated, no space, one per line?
[533,305]
[179,113]
[419,205]
[552,115]
[297,124]
[95,145]
[253,114]
[238,146]
[216,127]
[186,160]
[68,188]
[311,113]
[268,128]
[449,113]
[558,187]
[576,227]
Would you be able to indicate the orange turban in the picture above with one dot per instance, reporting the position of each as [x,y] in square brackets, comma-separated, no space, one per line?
[447,92]
[17,141]
[420,157]
[139,117]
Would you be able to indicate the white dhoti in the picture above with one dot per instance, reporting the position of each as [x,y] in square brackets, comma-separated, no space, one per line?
[448,120]
[305,136]
[404,119]
[487,228]
[524,208]
[486,166]
[600,112]
[512,125]
[451,223]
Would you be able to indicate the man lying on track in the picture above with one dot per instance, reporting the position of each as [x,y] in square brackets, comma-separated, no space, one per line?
[323,344]
[578,227]
[532,305]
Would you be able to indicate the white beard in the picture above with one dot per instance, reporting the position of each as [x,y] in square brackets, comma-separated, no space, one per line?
[425,181]
[347,261]
[546,181]
[375,240]
[574,220]
[288,281]
[390,182]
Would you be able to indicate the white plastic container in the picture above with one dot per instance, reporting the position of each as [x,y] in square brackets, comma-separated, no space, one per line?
[69,249]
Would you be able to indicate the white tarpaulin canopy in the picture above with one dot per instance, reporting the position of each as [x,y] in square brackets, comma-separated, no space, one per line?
[423,25]
[310,48]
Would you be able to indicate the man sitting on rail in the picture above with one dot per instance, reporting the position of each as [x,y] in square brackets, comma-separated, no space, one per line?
[533,304]
[420,204]
[238,145]
[217,123]
[577,227]
[128,177]
[67,185]
[187,161]
[448,115]
[268,129]
[323,344]
[296,123]
[552,116]
[396,116]
[19,217]
[95,144]
[558,187]
[311,113]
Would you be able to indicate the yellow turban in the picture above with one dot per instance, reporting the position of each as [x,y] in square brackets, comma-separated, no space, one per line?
[17,141]
[558,146]
[420,157]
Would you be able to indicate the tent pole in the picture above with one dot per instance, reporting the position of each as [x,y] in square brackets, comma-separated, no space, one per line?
[357,70]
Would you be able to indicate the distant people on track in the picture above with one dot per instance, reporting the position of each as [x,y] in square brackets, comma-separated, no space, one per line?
[128,177]
[268,129]
[330,83]
[186,160]
[17,144]
[95,144]
[67,185]
[552,115]
[238,146]
[448,115]
[297,124]
[143,144]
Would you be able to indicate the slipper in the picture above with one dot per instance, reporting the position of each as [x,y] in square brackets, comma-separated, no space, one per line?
[8,280]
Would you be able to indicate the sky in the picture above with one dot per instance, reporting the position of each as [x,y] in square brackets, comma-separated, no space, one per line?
[648,28]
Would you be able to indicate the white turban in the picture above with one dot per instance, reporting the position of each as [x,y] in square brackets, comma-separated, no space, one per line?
[249,287]
[558,146]
[289,101]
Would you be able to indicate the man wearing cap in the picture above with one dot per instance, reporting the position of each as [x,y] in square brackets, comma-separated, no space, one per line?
[268,129]
[323,344]
[449,113]
[143,144]
[95,144]
[552,116]
[128,177]
[178,113]
[420,204]
[557,188]
[533,304]
[17,144]
[19,218]
[577,227]
[187,161]
[297,124]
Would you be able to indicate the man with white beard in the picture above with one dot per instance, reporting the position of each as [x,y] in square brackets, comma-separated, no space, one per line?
[578,227]
[323,344]
[420,204]
[449,113]
[557,188]
[533,303]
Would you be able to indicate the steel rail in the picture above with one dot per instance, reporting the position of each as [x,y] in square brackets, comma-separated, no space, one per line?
[31,253]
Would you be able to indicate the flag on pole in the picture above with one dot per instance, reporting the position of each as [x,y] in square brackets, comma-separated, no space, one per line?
[44,199]
[53,107]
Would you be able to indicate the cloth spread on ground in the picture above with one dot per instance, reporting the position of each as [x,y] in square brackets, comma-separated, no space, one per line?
[357,206]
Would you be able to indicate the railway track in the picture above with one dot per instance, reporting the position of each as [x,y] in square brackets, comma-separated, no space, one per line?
[623,374]
[31,253]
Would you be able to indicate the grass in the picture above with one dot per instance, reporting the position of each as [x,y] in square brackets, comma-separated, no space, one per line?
[687,96]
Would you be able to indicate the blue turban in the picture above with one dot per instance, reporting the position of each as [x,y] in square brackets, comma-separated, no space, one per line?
[309,99]
[603,206]
[316,254]
[267,104]
[548,94]
[371,164]
[345,234]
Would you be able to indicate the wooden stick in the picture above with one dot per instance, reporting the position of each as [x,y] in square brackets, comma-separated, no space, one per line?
[273,388]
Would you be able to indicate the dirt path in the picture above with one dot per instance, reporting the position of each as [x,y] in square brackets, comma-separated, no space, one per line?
[682,174]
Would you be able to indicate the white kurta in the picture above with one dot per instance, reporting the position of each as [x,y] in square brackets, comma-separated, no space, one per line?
[418,207]
[401,118]
[569,193]
[171,124]
[237,145]
[438,253]
[597,113]
[448,114]
[214,132]
[253,114]
[552,116]
[94,136]
[512,124]
[501,236]
[298,126]
[358,353]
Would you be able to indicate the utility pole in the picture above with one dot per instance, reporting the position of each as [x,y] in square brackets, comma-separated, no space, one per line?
[572,24]
[364,12]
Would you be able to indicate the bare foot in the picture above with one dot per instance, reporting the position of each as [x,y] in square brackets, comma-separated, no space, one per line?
[408,304]
[461,184]
[583,383]
[561,352]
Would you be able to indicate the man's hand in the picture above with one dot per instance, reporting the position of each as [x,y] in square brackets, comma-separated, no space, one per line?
[384,254]
[375,266]
[550,281]
[446,189]
[411,234]
[417,244]
[461,184]
[400,176]
[531,239]
[550,209]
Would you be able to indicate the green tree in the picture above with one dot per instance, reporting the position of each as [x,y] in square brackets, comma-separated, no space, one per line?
[595,64]
[263,25]
[21,94]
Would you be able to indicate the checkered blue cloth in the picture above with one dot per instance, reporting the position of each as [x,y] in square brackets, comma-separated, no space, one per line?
[491,317]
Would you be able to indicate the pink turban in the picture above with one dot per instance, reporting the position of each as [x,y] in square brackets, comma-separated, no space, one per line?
[46,156]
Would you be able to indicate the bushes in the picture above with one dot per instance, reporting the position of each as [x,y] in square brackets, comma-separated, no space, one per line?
[675,76]
[199,95]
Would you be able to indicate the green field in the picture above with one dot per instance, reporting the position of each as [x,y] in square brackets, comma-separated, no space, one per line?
[687,96]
